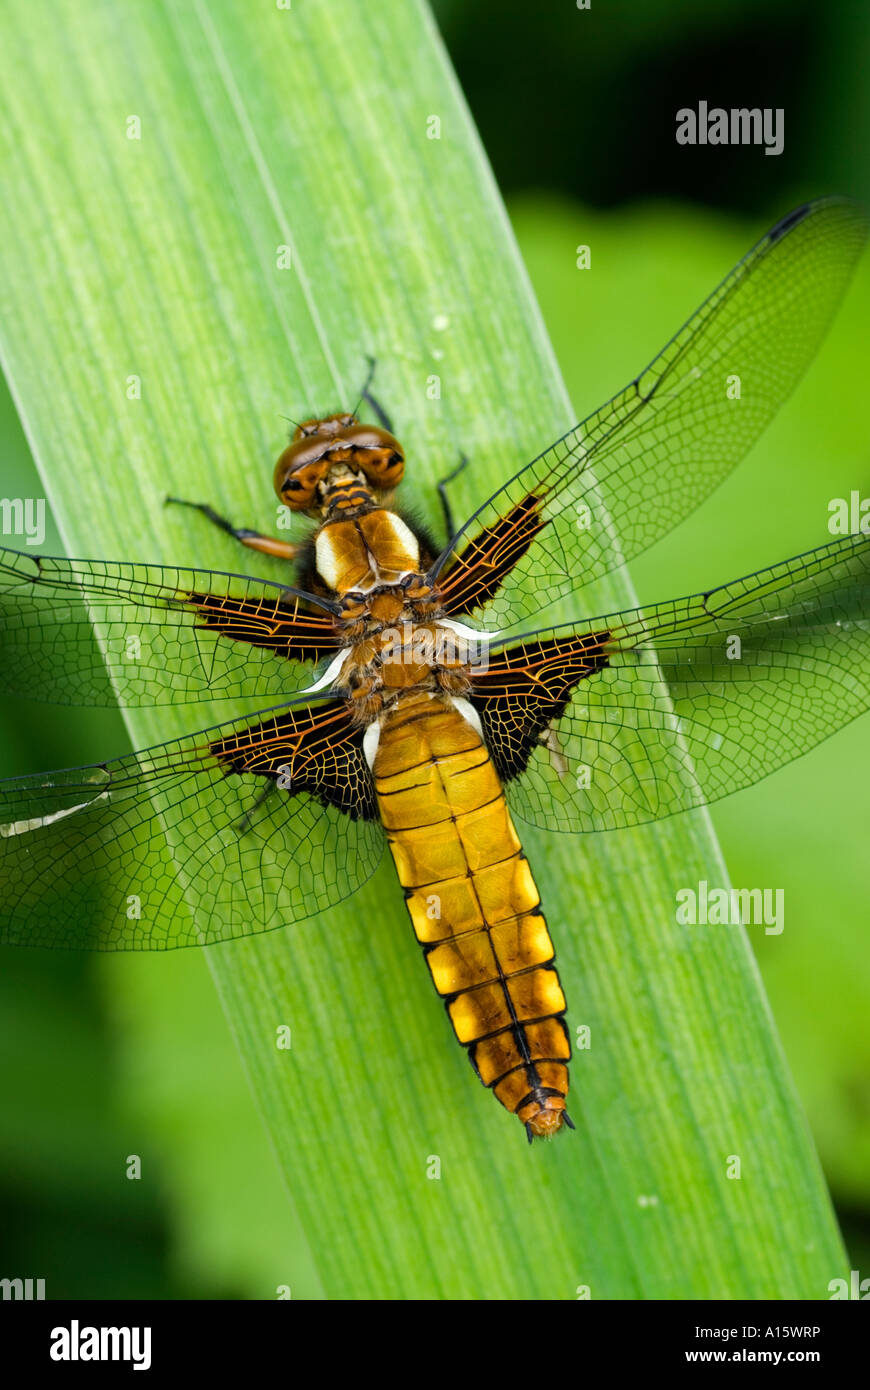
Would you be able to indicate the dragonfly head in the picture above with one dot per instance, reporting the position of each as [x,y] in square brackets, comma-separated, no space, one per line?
[323,452]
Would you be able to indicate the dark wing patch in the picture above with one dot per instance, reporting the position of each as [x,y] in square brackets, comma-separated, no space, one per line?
[526,688]
[323,757]
[479,569]
[288,627]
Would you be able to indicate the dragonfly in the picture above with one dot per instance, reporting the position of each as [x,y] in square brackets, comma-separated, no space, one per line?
[410,696]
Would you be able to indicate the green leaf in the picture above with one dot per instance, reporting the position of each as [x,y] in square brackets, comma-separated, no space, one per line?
[335,130]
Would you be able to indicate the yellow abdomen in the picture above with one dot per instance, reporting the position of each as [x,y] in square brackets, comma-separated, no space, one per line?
[474,905]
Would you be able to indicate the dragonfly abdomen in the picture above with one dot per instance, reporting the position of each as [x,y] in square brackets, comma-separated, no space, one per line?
[474,905]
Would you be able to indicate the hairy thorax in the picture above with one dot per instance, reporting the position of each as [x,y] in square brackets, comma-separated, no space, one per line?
[397,644]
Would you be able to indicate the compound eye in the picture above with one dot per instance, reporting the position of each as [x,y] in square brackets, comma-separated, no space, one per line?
[294,493]
[296,478]
[378,453]
[382,467]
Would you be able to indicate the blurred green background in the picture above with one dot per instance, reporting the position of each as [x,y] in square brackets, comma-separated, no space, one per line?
[576,110]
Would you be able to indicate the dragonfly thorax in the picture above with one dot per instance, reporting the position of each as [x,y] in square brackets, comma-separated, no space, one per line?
[396,659]
[366,553]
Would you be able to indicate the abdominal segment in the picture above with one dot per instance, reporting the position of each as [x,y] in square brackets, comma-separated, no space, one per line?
[474,905]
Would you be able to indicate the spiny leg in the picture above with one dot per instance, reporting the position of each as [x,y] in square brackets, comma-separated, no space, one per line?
[245,821]
[445,501]
[269,545]
[366,395]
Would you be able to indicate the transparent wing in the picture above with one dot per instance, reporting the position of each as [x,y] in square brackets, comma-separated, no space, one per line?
[629,473]
[168,635]
[239,829]
[634,717]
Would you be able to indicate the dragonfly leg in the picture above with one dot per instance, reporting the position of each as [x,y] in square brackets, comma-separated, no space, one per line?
[366,395]
[446,509]
[269,545]
[244,823]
